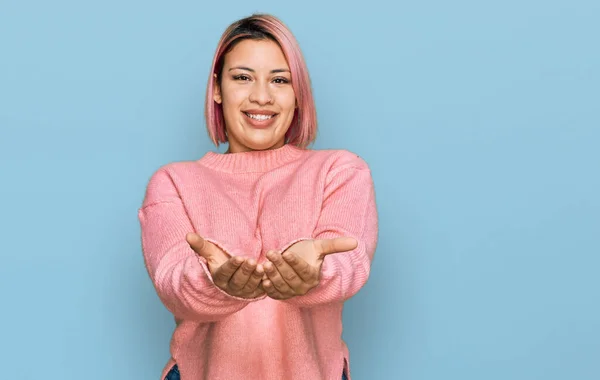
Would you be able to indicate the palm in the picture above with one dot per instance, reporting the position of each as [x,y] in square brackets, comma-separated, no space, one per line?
[308,250]
[298,269]
[237,276]
[216,257]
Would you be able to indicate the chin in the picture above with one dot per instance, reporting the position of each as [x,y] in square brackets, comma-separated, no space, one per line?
[261,140]
[260,145]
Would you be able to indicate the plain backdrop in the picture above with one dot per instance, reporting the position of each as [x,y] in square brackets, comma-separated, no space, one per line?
[480,121]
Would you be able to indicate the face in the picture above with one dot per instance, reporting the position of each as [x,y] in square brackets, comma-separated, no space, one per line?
[256,95]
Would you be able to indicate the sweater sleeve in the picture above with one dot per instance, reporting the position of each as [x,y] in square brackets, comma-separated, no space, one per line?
[348,210]
[181,277]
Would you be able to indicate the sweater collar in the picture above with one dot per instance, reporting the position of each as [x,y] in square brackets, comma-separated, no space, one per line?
[251,162]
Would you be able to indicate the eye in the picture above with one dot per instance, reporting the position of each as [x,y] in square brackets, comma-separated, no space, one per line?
[243,77]
[281,80]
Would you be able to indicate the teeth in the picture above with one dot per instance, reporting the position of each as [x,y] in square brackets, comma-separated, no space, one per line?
[259,117]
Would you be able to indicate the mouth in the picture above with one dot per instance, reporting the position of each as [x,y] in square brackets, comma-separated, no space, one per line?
[260,117]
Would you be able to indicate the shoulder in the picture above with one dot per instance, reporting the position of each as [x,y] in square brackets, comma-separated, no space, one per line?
[341,169]
[169,174]
[333,160]
[162,184]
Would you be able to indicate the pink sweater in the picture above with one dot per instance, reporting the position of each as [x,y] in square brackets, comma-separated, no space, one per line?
[249,203]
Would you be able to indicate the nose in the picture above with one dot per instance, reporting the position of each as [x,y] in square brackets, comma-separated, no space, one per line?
[261,93]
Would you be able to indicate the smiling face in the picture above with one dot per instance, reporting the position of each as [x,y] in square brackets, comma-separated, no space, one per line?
[256,94]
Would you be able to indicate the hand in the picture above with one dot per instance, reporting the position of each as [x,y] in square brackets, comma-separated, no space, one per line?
[298,269]
[237,276]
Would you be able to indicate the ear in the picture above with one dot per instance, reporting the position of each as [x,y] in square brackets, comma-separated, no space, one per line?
[217,90]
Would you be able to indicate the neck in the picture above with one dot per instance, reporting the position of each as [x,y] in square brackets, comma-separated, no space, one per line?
[237,148]
[251,161]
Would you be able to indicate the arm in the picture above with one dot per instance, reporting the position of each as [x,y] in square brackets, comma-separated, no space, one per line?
[181,277]
[348,210]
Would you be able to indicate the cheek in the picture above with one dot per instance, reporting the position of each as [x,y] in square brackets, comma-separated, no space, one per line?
[288,101]
[234,97]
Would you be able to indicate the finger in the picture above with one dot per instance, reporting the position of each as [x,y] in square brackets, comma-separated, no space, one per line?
[224,272]
[257,293]
[255,279]
[286,272]
[242,275]
[304,270]
[336,245]
[275,278]
[264,277]
[198,244]
[267,285]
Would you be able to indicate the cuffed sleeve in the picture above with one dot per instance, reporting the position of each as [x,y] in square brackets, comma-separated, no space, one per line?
[349,210]
[181,277]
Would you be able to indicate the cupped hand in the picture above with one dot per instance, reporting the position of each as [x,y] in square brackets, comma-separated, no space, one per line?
[297,270]
[237,276]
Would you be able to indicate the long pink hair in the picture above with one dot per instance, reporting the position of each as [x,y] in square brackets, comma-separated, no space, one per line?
[303,129]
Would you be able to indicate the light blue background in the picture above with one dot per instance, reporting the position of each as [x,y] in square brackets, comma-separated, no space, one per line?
[479,119]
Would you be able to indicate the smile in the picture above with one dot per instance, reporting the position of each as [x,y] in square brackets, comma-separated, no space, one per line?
[259,117]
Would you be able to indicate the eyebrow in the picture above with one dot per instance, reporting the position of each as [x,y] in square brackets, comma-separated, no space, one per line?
[251,70]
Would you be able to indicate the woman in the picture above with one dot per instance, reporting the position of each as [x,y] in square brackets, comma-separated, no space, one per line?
[254,251]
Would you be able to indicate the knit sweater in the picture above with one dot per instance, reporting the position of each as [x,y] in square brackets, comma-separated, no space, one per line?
[249,203]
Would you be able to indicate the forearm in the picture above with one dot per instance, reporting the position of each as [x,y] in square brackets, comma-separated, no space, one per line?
[349,210]
[181,277]
[186,289]
[342,276]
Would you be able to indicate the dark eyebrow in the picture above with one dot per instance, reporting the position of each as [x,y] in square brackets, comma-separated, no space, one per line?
[251,70]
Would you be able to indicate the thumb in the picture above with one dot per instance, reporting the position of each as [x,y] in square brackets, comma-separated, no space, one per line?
[199,245]
[335,245]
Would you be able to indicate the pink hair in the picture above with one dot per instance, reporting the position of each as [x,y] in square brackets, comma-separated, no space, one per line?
[303,128]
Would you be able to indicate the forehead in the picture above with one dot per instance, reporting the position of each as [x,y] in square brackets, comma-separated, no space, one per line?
[256,54]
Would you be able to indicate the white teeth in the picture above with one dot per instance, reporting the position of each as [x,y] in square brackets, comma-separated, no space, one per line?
[259,117]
